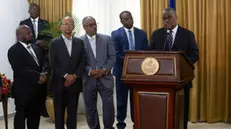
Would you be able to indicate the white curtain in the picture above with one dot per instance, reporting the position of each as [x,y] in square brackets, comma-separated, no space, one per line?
[11,13]
[106,12]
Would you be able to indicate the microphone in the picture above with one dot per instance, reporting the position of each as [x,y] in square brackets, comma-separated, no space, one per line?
[165,41]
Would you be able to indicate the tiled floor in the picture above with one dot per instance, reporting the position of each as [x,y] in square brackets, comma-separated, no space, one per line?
[47,124]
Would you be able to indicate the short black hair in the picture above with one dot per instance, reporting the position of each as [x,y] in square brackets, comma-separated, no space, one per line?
[129,13]
[86,18]
[169,9]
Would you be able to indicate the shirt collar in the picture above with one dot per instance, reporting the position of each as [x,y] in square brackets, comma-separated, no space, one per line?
[126,29]
[91,38]
[66,38]
[174,30]
[24,44]
[36,19]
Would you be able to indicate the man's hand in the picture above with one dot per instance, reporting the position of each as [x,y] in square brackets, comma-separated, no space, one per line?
[40,43]
[70,79]
[94,73]
[101,72]
[42,78]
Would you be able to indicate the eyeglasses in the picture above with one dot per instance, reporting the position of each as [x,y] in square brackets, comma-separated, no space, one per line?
[92,25]
[68,25]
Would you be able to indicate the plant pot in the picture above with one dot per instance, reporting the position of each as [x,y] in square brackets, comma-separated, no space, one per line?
[50,110]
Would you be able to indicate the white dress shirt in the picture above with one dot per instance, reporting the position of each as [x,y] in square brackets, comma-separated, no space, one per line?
[68,43]
[174,31]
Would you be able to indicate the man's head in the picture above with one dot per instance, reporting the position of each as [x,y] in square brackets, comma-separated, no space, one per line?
[89,25]
[24,34]
[67,25]
[169,18]
[34,10]
[126,19]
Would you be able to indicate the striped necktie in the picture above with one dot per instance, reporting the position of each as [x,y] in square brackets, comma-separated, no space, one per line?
[29,48]
[169,41]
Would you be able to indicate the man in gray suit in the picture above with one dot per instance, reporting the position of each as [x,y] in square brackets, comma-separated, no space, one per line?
[101,58]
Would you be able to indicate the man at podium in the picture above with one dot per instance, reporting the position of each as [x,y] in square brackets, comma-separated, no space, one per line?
[173,37]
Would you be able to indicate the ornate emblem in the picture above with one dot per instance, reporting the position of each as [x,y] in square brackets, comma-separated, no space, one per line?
[150,66]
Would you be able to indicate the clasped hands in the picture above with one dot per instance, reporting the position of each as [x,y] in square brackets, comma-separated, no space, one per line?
[70,79]
[97,73]
[42,78]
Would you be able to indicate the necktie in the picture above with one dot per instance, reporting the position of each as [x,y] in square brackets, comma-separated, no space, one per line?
[169,41]
[35,28]
[132,44]
[32,54]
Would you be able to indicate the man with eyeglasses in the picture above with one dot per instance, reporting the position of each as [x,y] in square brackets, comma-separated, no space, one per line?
[68,61]
[125,38]
[97,78]
[37,25]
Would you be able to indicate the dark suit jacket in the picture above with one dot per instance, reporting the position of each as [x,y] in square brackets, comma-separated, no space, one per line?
[184,41]
[26,71]
[121,44]
[42,24]
[62,63]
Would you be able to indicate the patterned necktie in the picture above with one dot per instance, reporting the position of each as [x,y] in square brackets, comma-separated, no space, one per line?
[35,28]
[32,54]
[169,41]
[132,44]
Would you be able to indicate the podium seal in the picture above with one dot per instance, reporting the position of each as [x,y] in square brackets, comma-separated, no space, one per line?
[150,66]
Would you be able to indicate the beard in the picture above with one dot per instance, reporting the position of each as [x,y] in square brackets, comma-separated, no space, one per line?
[27,41]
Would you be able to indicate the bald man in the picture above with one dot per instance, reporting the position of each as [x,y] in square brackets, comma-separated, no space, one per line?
[26,62]
[173,37]
[68,61]
[37,25]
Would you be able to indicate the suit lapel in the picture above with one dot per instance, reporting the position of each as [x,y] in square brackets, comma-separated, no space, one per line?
[98,51]
[37,54]
[29,56]
[39,25]
[136,36]
[88,47]
[177,38]
[30,24]
[63,45]
[124,35]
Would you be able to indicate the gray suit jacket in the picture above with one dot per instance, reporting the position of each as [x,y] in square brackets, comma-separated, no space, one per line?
[105,58]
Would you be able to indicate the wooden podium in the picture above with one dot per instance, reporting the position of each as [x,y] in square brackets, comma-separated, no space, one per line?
[158,95]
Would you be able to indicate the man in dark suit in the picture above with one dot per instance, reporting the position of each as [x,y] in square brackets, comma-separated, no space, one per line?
[176,38]
[101,57]
[26,62]
[125,38]
[37,25]
[68,61]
